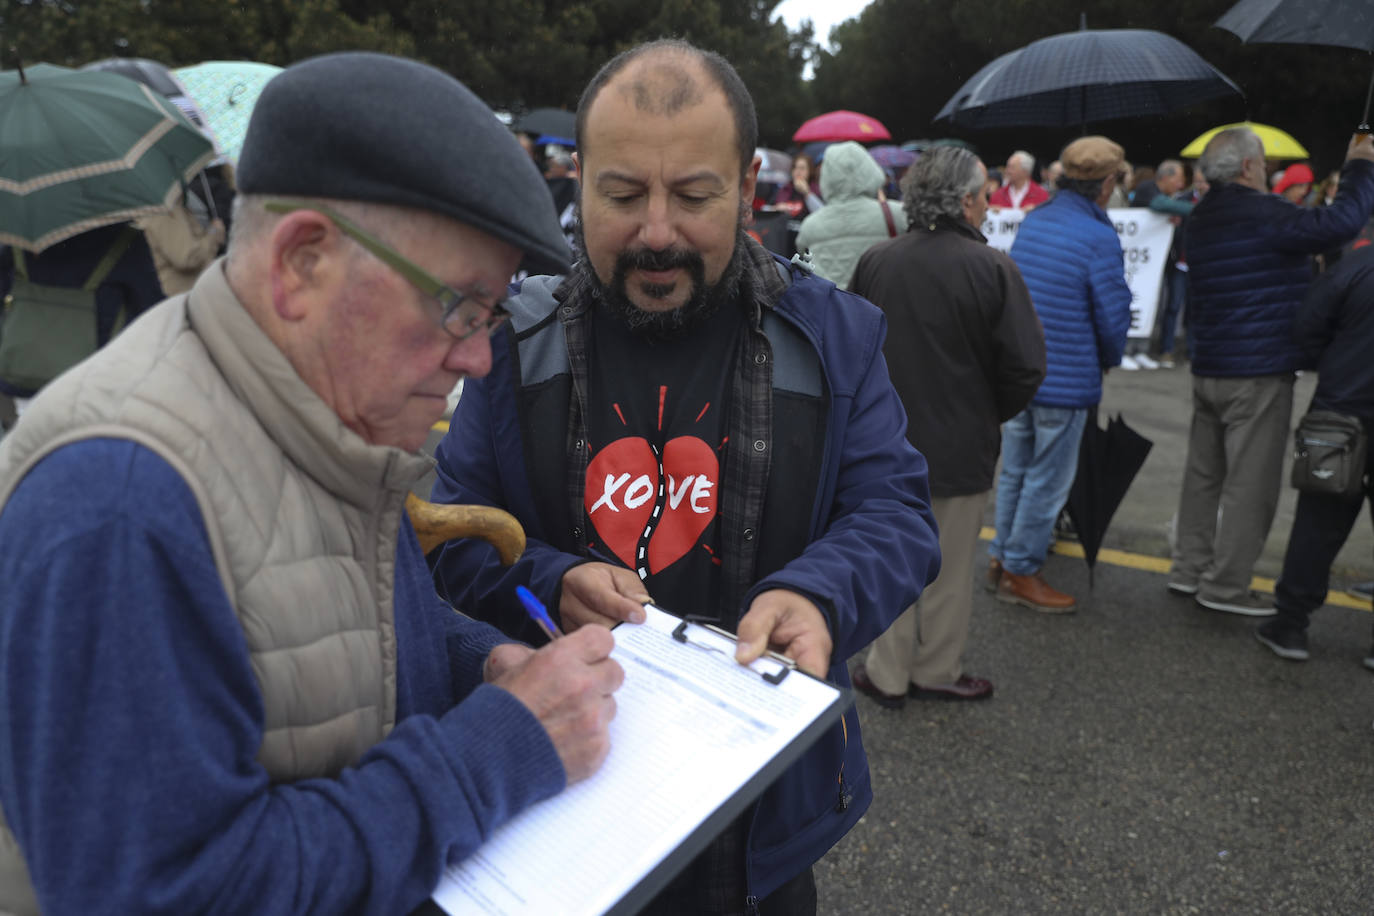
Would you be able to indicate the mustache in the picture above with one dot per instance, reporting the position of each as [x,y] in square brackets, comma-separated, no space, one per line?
[648,259]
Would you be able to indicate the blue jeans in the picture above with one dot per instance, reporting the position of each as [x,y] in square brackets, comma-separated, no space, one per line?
[1039,462]
[1176,291]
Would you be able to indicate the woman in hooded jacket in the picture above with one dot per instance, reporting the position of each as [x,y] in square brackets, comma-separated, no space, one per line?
[854,217]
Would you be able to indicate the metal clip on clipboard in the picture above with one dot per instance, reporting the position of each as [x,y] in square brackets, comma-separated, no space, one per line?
[680,634]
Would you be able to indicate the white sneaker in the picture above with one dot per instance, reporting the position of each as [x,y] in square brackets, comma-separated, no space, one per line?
[1145,362]
[1129,364]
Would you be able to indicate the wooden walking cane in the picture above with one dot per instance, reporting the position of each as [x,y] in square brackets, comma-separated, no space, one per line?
[438,522]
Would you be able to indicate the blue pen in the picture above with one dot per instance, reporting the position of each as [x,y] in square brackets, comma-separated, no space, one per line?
[535,608]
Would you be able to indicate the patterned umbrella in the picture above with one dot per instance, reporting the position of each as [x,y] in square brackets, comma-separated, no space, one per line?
[83,149]
[226,91]
[1089,75]
[835,126]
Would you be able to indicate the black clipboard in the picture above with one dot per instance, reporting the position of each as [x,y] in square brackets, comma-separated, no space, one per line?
[492,878]
[697,841]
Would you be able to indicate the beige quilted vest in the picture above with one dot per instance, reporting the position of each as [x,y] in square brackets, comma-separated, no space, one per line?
[302,516]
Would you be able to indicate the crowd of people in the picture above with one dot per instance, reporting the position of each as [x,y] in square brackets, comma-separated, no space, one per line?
[233,679]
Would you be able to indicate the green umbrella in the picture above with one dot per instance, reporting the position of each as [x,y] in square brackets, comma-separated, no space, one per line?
[227,90]
[83,149]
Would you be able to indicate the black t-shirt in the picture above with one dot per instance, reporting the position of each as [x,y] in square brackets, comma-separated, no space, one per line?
[655,422]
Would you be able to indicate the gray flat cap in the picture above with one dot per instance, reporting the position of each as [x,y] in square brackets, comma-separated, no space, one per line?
[382,129]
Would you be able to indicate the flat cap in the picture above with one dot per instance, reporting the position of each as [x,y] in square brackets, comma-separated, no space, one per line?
[1089,158]
[381,129]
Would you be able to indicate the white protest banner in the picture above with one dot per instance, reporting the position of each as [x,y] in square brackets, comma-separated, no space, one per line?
[1145,240]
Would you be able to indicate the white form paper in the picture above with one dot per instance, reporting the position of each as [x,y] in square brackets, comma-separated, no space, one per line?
[691,727]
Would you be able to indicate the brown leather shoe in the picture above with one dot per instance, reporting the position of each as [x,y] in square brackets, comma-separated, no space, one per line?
[1034,592]
[862,684]
[993,576]
[966,688]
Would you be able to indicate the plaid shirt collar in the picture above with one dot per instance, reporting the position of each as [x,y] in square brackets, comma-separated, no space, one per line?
[749,421]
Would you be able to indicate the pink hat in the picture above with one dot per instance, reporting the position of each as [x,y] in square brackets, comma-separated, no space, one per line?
[1297,173]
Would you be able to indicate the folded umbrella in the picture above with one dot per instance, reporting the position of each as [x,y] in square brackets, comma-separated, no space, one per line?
[1278,144]
[84,148]
[1108,460]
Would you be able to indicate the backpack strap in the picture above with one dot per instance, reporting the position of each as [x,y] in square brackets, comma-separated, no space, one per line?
[107,263]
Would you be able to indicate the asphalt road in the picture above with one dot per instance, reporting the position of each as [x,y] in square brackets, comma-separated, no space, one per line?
[1142,756]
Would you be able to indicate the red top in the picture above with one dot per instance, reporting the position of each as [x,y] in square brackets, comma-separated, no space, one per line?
[1034,195]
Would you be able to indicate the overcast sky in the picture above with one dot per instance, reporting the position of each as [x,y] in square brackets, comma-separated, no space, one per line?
[824,14]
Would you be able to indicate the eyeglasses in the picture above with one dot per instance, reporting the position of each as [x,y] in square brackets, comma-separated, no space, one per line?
[463,315]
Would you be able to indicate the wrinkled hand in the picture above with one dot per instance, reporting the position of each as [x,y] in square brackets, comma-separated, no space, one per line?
[568,685]
[1361,148]
[788,623]
[504,658]
[602,594]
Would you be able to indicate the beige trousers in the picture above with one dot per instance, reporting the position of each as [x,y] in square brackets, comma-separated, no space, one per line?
[926,644]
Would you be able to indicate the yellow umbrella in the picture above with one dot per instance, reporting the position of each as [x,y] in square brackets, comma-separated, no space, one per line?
[1278,144]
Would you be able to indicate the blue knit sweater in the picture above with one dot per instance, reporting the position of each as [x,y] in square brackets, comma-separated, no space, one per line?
[130,720]
[1070,257]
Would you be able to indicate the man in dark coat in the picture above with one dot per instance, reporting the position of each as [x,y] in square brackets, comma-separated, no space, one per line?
[1249,265]
[959,320]
[1334,330]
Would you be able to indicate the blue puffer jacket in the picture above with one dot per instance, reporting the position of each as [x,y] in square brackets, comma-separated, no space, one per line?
[1249,268]
[1070,257]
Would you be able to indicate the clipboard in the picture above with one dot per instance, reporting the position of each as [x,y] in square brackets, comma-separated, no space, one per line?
[696,739]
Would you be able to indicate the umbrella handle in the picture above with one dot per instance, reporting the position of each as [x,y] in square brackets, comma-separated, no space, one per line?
[1364,122]
[209,197]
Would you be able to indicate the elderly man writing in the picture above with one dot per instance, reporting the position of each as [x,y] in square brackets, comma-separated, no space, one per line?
[227,683]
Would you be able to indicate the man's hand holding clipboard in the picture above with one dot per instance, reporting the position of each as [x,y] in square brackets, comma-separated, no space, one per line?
[778,619]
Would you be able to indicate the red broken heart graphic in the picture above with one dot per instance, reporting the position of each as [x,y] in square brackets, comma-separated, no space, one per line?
[622,490]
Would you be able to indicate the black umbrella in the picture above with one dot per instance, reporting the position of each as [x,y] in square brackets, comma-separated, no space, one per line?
[554,122]
[1083,76]
[1108,460]
[1343,23]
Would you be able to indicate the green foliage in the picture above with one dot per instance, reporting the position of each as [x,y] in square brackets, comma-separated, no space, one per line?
[516,54]
[899,61]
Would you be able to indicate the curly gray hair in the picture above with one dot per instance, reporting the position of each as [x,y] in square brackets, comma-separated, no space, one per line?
[937,184]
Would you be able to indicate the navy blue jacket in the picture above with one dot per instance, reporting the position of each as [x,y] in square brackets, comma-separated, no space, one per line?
[866,538]
[1334,330]
[1249,268]
[1070,257]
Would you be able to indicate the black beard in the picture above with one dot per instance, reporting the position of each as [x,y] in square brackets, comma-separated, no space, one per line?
[704,301]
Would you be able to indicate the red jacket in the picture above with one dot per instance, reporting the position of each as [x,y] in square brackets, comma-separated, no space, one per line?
[1034,195]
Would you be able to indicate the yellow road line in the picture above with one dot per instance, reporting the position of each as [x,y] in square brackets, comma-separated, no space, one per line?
[1162,565]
